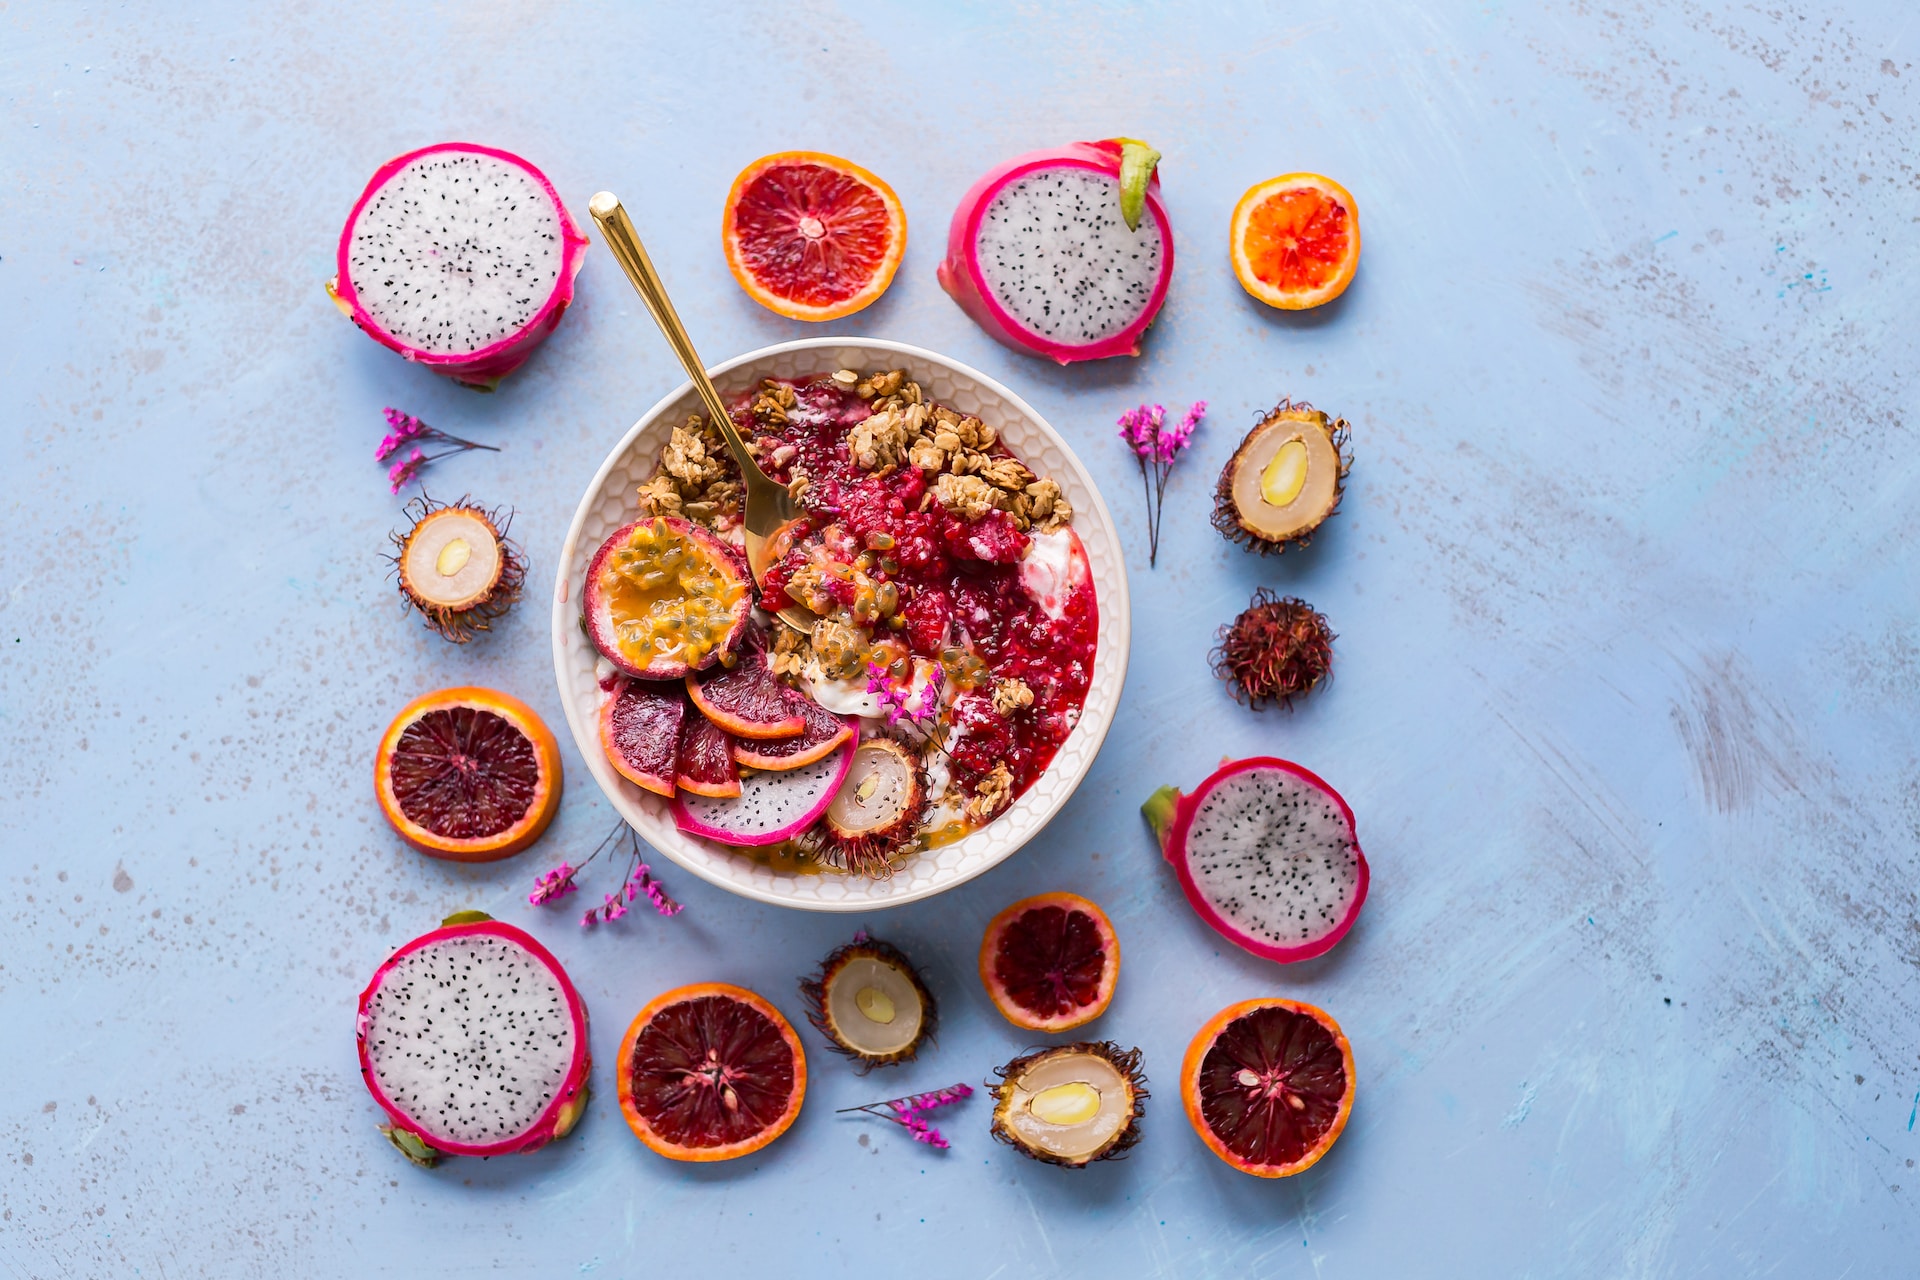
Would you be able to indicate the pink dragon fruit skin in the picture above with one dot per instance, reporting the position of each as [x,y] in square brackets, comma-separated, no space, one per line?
[484,366]
[962,278]
[1172,815]
[560,1113]
[803,794]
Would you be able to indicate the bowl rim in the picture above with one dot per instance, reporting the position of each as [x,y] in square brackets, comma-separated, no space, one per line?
[586,739]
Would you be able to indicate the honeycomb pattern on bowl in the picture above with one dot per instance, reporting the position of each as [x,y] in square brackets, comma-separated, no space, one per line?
[610,502]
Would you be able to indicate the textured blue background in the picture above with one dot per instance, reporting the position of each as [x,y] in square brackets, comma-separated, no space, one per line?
[1628,666]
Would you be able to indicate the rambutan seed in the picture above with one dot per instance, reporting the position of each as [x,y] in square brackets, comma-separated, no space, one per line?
[1275,651]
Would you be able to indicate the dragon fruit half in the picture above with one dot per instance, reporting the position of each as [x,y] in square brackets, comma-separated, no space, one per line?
[474,1042]
[459,257]
[772,805]
[1267,854]
[1065,253]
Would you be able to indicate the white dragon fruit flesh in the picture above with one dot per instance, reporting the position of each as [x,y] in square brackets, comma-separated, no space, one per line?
[474,1042]
[461,258]
[1267,855]
[1065,253]
[772,806]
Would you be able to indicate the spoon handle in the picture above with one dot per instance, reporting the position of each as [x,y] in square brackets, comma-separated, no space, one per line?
[625,243]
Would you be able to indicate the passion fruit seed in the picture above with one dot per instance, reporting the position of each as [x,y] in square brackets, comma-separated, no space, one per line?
[1286,475]
[453,557]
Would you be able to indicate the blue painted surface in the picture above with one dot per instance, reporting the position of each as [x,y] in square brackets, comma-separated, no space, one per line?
[1628,663]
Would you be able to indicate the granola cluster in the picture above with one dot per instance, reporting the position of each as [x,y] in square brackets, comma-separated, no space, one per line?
[696,478]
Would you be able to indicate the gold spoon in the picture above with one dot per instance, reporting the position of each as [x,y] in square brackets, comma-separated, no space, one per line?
[769,507]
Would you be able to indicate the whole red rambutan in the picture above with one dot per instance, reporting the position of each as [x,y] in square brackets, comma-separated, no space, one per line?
[1275,651]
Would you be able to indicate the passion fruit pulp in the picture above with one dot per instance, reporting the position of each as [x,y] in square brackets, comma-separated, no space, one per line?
[664,597]
[1073,1104]
[457,567]
[871,1004]
[1285,479]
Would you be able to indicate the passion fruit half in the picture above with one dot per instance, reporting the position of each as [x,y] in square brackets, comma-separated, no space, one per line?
[457,567]
[1284,480]
[1073,1104]
[871,1004]
[665,596]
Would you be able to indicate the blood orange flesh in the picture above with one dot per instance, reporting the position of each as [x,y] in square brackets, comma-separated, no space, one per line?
[745,699]
[1050,962]
[640,730]
[710,1072]
[812,236]
[1268,1085]
[465,773]
[469,774]
[705,763]
[822,736]
[1296,240]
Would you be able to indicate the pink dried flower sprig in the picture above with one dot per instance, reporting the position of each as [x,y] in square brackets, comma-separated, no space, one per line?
[1156,447]
[404,431]
[912,704]
[639,879]
[910,1112]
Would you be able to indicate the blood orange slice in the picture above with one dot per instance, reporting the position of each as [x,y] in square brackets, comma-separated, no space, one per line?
[822,736]
[704,765]
[640,731]
[710,1072]
[1268,1085]
[468,774]
[812,236]
[745,699]
[1295,240]
[1050,962]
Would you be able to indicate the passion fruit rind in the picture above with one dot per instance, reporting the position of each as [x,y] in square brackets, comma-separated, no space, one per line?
[814,991]
[1234,525]
[459,625]
[1126,1062]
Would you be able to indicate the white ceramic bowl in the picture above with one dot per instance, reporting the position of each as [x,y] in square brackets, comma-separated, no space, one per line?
[610,502]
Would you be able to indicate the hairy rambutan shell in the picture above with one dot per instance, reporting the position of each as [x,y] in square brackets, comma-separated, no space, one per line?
[1241,511]
[841,1004]
[1114,1127]
[1275,651]
[864,834]
[457,566]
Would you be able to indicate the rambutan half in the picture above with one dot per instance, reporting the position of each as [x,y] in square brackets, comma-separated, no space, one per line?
[457,566]
[1275,651]
[871,1004]
[876,815]
[1284,480]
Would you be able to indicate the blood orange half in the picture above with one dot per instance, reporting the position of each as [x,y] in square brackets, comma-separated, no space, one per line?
[1050,962]
[1268,1085]
[710,1072]
[468,774]
[812,236]
[1295,240]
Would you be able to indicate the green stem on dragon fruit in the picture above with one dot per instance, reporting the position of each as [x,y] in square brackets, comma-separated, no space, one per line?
[1158,811]
[1137,164]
